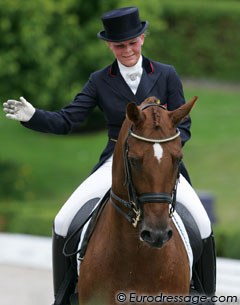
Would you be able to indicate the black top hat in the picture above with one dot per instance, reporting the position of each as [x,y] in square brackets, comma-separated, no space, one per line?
[122,24]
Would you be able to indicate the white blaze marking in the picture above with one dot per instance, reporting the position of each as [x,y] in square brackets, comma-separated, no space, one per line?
[158,151]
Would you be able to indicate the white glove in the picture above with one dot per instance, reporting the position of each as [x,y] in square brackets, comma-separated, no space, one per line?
[19,110]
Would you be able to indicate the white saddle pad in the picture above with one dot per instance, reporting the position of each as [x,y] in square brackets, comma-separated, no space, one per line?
[183,233]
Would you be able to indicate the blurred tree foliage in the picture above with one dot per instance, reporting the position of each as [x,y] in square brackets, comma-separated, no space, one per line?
[48,48]
[201,38]
[15,180]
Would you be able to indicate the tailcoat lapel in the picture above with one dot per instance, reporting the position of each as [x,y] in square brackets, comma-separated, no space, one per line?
[148,80]
[118,83]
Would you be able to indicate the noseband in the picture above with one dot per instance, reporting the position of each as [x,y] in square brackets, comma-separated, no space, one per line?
[134,203]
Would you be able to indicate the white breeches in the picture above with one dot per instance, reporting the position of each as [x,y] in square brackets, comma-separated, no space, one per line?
[99,183]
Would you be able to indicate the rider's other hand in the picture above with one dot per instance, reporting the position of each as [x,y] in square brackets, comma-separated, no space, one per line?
[20,110]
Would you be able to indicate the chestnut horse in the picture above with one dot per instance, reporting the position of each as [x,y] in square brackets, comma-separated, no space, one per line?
[135,248]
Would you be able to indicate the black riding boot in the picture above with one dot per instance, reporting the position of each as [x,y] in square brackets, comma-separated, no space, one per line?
[204,270]
[64,272]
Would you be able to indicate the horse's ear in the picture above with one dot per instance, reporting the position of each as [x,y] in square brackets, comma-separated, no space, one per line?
[134,114]
[180,113]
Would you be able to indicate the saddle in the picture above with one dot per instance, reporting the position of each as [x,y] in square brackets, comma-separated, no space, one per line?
[90,212]
[192,230]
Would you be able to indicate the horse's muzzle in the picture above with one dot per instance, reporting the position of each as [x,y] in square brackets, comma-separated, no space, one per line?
[155,238]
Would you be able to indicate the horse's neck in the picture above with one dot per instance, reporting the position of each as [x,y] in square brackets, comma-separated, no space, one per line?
[124,235]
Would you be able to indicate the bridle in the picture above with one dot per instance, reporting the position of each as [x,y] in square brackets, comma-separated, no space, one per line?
[135,202]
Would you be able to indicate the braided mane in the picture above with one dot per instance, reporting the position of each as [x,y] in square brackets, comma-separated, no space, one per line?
[156,117]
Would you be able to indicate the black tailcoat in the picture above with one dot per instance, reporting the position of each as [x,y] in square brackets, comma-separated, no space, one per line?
[108,90]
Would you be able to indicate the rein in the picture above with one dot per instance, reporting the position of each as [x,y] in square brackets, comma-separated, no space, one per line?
[134,203]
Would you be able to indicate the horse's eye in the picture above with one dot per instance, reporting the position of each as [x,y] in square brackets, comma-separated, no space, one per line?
[135,163]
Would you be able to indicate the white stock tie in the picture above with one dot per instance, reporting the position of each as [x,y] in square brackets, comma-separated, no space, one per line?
[133,76]
[133,80]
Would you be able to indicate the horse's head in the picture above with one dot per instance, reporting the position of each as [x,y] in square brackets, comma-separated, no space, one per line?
[150,145]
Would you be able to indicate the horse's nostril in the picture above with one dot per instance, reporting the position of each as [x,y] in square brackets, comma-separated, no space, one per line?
[146,236]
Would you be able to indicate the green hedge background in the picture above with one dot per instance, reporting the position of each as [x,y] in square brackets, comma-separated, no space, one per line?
[48,49]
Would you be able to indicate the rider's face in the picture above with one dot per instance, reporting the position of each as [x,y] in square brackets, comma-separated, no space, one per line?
[129,51]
